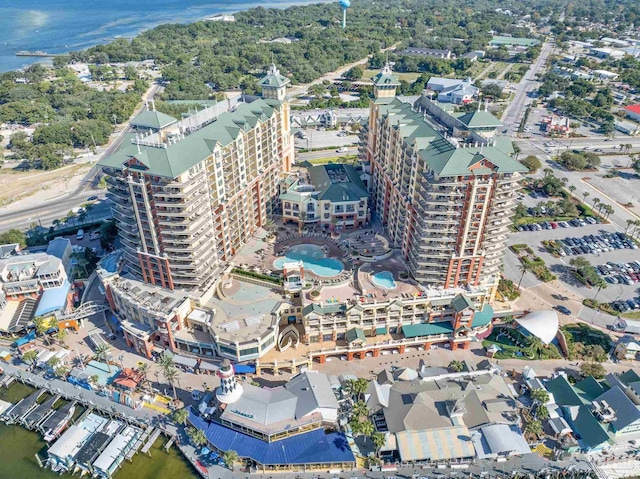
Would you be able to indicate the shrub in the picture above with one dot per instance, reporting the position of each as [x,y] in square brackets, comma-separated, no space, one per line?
[262,277]
[508,290]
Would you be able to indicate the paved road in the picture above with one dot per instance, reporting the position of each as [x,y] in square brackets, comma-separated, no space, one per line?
[317,155]
[59,207]
[511,116]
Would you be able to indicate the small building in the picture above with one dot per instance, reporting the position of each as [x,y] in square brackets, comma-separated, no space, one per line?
[329,195]
[542,324]
[451,90]
[444,54]
[627,127]
[556,125]
[605,75]
[607,52]
[474,55]
[633,112]
[627,348]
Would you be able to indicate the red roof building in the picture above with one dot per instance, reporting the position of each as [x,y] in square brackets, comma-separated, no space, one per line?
[633,112]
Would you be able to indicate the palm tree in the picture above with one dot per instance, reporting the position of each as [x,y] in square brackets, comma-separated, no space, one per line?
[61,335]
[595,202]
[571,188]
[609,209]
[102,352]
[230,458]
[585,195]
[196,436]
[56,223]
[533,428]
[378,439]
[53,362]
[143,370]
[542,412]
[71,216]
[356,387]
[82,216]
[456,366]
[547,172]
[171,374]
[60,371]
[367,429]
[534,344]
[94,379]
[600,284]
[302,217]
[180,416]
[524,267]
[42,327]
[629,223]
[88,209]
[166,360]
[359,410]
[30,356]
[540,395]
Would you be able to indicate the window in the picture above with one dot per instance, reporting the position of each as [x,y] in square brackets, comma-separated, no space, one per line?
[248,351]
[327,216]
[227,349]
[327,206]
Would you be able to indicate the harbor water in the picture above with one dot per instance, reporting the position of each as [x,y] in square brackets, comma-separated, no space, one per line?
[18,447]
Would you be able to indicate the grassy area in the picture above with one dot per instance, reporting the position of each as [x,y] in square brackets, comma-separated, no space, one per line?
[516,348]
[526,220]
[333,159]
[16,185]
[631,315]
[410,77]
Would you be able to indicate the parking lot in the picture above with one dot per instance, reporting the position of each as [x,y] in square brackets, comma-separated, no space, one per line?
[324,139]
[592,244]
[560,265]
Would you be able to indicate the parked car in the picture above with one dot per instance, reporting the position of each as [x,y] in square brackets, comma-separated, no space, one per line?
[563,309]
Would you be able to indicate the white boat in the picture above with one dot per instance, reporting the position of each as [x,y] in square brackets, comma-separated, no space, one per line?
[53,427]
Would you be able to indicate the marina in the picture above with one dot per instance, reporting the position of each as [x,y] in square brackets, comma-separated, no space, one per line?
[82,440]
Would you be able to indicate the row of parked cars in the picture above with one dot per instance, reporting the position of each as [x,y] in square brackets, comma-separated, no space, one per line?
[595,244]
[620,273]
[552,225]
[626,305]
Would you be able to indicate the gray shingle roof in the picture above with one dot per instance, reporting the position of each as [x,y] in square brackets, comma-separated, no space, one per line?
[262,405]
[626,412]
[313,391]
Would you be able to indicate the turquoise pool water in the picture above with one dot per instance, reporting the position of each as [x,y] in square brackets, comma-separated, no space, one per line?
[314,260]
[384,279]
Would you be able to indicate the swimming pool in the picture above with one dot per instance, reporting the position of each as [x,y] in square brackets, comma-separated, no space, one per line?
[384,279]
[313,258]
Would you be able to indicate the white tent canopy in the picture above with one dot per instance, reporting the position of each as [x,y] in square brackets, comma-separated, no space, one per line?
[542,324]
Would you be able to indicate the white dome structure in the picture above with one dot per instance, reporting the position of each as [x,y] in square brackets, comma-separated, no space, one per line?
[542,324]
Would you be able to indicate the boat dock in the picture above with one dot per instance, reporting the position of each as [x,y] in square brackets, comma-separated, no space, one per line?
[41,412]
[169,443]
[7,380]
[54,424]
[141,440]
[152,439]
[24,407]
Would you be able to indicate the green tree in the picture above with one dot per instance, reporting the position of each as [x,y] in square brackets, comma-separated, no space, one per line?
[532,163]
[354,74]
[379,439]
[359,410]
[230,458]
[596,370]
[456,366]
[14,236]
[540,395]
[180,416]
[61,335]
[524,267]
[533,428]
[534,344]
[94,379]
[42,326]
[30,356]
[53,362]
[171,374]
[356,387]
[103,351]
[197,437]
[542,412]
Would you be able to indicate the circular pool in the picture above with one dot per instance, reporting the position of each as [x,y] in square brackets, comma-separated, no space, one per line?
[314,260]
[384,279]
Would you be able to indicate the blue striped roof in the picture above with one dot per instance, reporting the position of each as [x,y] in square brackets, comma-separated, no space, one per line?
[315,447]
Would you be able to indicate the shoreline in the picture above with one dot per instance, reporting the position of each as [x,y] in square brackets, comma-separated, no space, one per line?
[47,61]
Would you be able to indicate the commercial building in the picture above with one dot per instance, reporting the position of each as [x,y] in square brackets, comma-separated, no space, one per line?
[328,195]
[190,193]
[445,204]
[452,90]
[498,41]
[288,427]
[186,196]
[633,112]
[444,54]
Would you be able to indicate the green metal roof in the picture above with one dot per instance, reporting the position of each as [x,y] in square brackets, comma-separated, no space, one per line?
[323,309]
[426,329]
[462,302]
[563,393]
[352,189]
[482,318]
[274,79]
[589,389]
[172,160]
[629,377]
[438,153]
[355,334]
[152,119]
[501,40]
[480,119]
[591,432]
[386,77]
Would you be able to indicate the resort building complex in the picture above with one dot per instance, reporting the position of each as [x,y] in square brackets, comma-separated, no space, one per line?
[445,203]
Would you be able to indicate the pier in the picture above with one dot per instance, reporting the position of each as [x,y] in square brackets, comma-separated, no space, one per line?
[40,413]
[56,422]
[24,407]
[152,439]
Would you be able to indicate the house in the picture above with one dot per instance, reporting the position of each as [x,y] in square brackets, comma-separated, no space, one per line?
[627,348]
[605,74]
[633,112]
[445,54]
[451,90]
[607,52]
[474,55]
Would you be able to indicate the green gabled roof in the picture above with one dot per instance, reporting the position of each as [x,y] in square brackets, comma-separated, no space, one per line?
[170,161]
[355,334]
[589,389]
[480,119]
[386,77]
[274,79]
[352,190]
[461,302]
[629,377]
[591,432]
[440,154]
[563,392]
[152,119]
[323,309]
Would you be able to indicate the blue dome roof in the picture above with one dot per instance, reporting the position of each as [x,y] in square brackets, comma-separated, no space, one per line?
[345,4]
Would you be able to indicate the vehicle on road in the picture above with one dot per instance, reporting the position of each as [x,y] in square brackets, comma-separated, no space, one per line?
[563,309]
[92,198]
[342,149]
[80,234]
